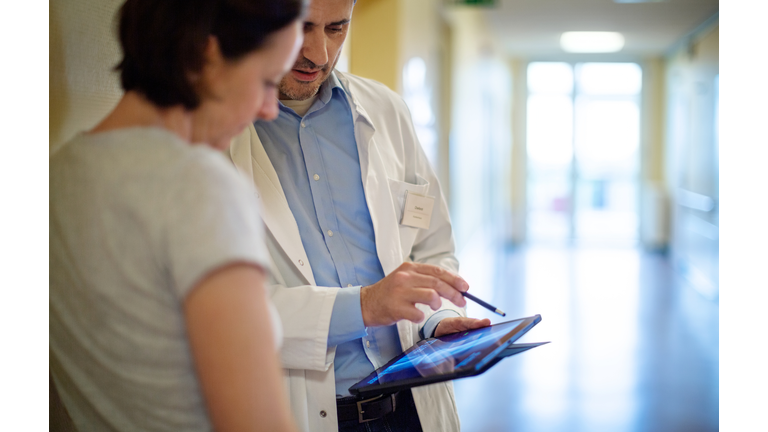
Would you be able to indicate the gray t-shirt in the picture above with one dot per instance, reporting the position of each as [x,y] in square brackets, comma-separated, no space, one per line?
[137,218]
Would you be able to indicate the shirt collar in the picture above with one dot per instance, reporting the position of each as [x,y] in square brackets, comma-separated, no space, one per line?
[326,89]
[324,94]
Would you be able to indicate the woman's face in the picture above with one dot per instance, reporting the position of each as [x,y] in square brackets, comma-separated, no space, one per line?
[235,93]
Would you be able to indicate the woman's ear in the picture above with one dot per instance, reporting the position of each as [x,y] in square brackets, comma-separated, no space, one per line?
[212,52]
[213,62]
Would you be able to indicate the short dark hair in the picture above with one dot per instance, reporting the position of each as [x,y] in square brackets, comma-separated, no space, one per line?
[163,41]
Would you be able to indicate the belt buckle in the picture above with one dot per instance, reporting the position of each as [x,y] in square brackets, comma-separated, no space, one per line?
[360,411]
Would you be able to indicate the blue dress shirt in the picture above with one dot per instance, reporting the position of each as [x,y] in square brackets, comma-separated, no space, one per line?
[317,162]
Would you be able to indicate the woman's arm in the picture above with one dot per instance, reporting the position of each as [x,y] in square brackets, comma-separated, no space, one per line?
[233,348]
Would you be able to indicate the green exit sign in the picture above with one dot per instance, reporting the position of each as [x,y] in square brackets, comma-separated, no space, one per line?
[473,2]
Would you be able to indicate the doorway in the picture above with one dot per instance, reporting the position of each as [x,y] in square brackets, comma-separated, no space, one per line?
[583,160]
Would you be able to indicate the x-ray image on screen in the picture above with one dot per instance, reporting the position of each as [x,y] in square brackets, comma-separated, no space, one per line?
[445,354]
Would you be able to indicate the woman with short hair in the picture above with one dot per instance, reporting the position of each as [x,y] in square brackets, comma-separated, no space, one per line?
[159,319]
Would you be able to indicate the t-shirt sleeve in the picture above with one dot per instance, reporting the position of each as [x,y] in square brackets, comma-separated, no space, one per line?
[212,220]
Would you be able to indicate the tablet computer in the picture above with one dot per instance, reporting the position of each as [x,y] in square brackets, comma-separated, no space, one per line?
[445,358]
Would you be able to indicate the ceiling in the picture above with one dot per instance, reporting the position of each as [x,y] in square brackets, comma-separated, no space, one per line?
[532,28]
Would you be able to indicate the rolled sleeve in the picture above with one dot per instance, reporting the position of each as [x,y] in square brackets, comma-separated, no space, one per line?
[346,317]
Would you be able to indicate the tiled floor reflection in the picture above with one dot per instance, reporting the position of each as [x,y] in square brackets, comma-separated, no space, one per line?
[633,349]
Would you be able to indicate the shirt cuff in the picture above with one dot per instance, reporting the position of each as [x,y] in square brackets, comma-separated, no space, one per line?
[346,317]
[428,329]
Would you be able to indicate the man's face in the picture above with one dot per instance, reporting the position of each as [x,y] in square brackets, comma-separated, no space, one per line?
[325,29]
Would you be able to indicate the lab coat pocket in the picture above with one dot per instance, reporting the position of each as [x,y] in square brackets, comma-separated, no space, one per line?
[398,189]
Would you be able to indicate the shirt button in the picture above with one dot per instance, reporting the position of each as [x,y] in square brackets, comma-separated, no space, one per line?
[349,285]
[368,343]
[316,177]
[330,233]
[301,262]
[303,124]
[323,414]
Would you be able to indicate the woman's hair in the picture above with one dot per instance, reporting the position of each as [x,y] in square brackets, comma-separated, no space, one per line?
[163,41]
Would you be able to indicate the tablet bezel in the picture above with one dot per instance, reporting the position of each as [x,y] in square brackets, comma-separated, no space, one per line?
[484,364]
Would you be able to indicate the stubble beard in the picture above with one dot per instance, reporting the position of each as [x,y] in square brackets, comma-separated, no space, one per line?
[299,91]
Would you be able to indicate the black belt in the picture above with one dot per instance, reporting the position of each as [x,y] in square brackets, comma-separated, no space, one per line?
[365,410]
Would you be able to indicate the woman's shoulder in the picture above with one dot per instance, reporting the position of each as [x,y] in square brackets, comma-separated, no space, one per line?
[209,168]
[146,163]
[150,151]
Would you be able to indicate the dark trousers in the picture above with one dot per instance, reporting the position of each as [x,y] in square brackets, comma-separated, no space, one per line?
[404,419]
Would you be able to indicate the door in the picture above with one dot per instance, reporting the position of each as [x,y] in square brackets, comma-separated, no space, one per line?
[583,135]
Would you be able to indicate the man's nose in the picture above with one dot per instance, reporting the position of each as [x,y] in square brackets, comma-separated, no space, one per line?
[314,48]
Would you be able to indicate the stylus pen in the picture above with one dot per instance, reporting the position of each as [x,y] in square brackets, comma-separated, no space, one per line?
[484,304]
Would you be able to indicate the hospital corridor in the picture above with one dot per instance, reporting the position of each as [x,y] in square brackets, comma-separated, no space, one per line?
[583,186]
[577,146]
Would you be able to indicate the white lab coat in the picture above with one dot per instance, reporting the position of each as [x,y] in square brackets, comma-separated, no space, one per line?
[392,162]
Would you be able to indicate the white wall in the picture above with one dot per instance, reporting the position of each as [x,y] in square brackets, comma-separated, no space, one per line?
[83,51]
[692,160]
[480,142]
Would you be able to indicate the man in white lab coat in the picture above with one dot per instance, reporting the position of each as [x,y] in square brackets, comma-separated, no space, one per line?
[359,235]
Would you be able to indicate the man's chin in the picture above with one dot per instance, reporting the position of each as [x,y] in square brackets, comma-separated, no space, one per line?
[298,94]
[300,90]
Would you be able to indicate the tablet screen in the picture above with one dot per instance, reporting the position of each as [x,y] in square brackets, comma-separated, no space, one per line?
[446,354]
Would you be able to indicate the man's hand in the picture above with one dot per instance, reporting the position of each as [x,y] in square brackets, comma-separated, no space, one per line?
[458,324]
[394,298]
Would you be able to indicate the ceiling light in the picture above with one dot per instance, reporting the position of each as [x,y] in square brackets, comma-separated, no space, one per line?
[591,42]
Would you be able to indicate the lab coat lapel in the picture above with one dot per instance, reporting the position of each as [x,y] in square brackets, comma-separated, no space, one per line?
[376,186]
[275,211]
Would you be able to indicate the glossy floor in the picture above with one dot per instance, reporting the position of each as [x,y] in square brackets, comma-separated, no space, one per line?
[633,348]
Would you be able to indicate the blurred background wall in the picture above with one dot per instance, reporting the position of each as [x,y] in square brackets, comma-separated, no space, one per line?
[691,157]
[83,50]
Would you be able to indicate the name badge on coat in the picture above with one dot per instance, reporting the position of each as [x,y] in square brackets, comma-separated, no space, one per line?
[417,211]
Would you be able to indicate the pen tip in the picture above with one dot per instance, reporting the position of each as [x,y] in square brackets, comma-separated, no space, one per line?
[500,313]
